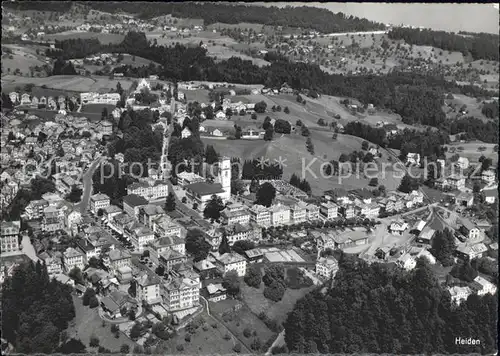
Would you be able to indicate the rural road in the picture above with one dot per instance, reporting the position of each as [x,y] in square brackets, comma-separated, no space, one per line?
[280,340]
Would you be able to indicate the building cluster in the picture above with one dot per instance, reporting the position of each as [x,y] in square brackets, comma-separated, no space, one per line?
[49,102]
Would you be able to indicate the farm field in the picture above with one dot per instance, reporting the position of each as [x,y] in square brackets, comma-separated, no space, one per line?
[104,38]
[74,83]
[96,108]
[87,322]
[135,61]
[199,95]
[239,320]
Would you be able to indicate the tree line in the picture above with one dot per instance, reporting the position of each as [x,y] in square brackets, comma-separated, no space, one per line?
[479,46]
[380,308]
[35,309]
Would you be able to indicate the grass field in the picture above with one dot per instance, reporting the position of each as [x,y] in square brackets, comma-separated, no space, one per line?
[97,108]
[205,341]
[199,95]
[295,157]
[139,61]
[473,107]
[241,319]
[104,38]
[22,58]
[278,311]
[87,323]
[470,150]
[73,83]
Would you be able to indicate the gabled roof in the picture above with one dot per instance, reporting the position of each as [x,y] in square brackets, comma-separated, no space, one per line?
[203,188]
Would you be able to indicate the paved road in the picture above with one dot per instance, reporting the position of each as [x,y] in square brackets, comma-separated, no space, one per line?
[87,185]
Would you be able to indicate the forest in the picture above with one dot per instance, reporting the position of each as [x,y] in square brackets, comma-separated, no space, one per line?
[380,308]
[35,309]
[479,46]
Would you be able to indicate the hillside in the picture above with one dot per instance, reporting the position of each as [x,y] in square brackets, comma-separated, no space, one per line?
[306,17]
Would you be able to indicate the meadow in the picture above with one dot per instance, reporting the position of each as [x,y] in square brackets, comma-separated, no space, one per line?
[73,83]
[104,38]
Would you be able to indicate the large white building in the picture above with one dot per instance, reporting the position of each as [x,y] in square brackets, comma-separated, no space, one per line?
[260,215]
[96,98]
[73,258]
[150,189]
[235,213]
[98,201]
[230,262]
[459,294]
[329,210]
[280,214]
[10,235]
[201,192]
[180,293]
[148,288]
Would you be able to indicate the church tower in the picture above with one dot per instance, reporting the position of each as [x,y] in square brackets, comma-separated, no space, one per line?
[225,173]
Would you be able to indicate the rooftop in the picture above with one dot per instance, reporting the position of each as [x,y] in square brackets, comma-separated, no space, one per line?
[134,200]
[203,188]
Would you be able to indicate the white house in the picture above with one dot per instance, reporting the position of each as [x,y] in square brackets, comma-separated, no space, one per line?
[98,201]
[463,162]
[329,210]
[280,214]
[73,258]
[327,267]
[230,262]
[413,158]
[483,286]
[459,294]
[407,262]
[186,132]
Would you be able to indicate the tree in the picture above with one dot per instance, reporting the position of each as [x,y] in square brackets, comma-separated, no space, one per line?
[274,291]
[254,116]
[241,246]
[260,107]
[295,180]
[89,293]
[268,135]
[286,110]
[124,349]
[282,126]
[232,283]
[94,341]
[408,184]
[310,146]
[373,182]
[211,155]
[74,195]
[364,145]
[253,276]
[72,346]
[443,246]
[224,244]
[196,245]
[213,208]
[265,194]
[136,331]
[170,202]
[237,348]
[304,131]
